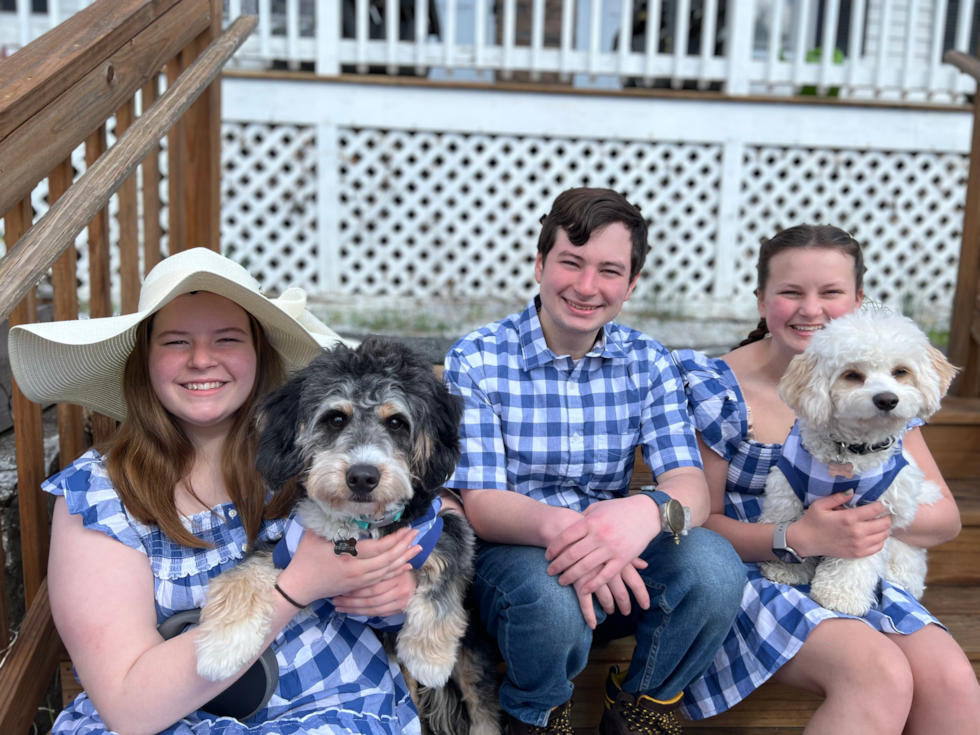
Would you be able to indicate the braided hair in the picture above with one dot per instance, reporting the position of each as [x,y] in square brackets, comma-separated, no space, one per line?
[803,236]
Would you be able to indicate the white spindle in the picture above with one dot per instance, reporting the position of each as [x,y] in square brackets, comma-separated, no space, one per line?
[265,29]
[775,40]
[886,21]
[479,33]
[328,31]
[567,28]
[910,25]
[292,33]
[828,43]
[421,34]
[653,40]
[392,14]
[936,49]
[510,21]
[537,37]
[854,42]
[24,21]
[964,20]
[361,33]
[681,30]
[234,9]
[625,34]
[54,12]
[595,26]
[449,38]
[708,22]
[799,54]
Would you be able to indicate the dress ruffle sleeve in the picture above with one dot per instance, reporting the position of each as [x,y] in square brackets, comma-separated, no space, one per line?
[90,494]
[715,401]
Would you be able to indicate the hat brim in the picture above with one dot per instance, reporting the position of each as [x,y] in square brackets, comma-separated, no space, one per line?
[83,361]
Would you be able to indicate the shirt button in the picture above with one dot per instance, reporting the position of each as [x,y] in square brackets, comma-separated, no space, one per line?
[244,546]
[232,513]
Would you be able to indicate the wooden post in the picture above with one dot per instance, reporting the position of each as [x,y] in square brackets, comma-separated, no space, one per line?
[202,151]
[71,435]
[28,437]
[129,253]
[100,296]
[964,329]
[176,231]
[151,188]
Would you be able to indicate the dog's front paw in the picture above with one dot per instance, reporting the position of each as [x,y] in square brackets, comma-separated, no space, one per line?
[427,673]
[784,573]
[427,645]
[236,619]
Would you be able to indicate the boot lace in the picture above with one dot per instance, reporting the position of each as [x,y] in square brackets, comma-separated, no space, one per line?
[560,724]
[647,722]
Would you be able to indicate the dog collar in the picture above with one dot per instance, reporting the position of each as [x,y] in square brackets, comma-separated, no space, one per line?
[391,515]
[843,447]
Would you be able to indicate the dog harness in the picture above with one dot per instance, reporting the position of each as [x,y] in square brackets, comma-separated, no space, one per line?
[429,527]
[812,479]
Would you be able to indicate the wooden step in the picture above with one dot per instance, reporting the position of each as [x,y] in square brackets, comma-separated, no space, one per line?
[953,436]
[774,708]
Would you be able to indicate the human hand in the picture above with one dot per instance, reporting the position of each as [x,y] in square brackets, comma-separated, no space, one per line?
[615,593]
[388,597]
[316,572]
[610,534]
[828,529]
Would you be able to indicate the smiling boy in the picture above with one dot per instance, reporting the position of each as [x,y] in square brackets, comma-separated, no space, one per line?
[557,398]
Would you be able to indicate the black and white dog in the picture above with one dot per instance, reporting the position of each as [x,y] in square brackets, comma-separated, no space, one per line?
[369,436]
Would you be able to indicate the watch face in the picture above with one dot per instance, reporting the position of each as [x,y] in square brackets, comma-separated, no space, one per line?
[674,513]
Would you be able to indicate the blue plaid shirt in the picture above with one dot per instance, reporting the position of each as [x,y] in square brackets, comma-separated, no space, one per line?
[562,432]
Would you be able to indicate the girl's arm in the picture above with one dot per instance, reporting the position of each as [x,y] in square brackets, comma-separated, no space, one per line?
[824,529]
[937,523]
[102,601]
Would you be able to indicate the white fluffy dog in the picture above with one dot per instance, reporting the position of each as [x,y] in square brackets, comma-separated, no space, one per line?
[854,391]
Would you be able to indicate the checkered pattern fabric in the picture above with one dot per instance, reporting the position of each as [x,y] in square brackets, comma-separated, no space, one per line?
[774,620]
[428,525]
[811,479]
[334,676]
[560,431]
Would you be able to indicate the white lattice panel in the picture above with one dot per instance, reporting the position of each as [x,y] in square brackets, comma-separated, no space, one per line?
[441,214]
[906,209]
[268,203]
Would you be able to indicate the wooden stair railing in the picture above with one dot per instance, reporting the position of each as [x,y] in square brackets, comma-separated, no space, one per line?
[55,94]
[964,333]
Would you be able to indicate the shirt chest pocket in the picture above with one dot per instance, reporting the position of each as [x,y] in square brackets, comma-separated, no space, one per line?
[616,438]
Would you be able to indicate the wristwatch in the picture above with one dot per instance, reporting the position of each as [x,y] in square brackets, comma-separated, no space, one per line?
[674,517]
[782,549]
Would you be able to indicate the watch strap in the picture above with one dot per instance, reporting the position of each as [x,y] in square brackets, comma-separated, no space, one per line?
[781,548]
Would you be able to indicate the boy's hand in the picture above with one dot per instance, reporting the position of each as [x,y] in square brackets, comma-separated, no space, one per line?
[615,593]
[610,535]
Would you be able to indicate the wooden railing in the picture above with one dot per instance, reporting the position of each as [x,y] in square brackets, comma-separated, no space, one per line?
[55,94]
[964,331]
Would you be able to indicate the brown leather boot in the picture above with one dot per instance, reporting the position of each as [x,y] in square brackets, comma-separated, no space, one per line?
[626,714]
[559,723]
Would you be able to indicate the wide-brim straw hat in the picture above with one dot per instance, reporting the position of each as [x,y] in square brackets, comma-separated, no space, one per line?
[82,361]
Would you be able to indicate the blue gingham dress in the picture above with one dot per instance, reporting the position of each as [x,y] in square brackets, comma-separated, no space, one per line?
[334,676]
[774,619]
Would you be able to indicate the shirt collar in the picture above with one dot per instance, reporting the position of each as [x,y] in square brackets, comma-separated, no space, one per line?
[535,350]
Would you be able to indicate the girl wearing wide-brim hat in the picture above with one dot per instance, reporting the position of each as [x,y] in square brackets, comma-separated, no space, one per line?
[143,522]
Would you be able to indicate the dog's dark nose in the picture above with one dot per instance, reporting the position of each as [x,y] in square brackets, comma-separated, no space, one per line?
[886,401]
[363,478]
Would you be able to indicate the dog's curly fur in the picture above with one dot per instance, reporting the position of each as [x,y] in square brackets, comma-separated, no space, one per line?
[831,387]
[378,410]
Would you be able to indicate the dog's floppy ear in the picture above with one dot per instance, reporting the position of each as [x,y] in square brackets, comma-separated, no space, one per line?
[799,390]
[436,451]
[278,459]
[945,372]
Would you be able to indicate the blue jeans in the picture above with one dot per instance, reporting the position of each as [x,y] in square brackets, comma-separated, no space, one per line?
[695,591]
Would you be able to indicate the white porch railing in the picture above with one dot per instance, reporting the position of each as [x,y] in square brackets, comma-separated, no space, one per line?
[881,48]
